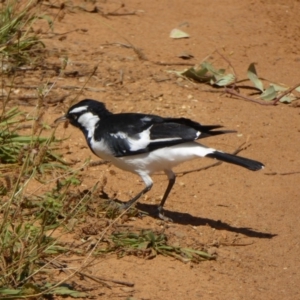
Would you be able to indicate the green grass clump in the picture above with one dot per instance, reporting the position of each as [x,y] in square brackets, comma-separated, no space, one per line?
[18,42]
[149,244]
[27,222]
[16,148]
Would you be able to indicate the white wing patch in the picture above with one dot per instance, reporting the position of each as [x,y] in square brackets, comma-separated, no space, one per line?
[146,119]
[142,140]
[120,135]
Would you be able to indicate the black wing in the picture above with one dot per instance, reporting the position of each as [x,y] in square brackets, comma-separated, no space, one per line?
[130,134]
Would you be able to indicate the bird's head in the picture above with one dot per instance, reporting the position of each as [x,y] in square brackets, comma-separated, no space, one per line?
[85,114]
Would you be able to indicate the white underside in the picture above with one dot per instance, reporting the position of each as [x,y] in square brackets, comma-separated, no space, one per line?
[163,159]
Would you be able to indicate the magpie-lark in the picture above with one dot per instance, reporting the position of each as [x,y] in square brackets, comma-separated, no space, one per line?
[144,144]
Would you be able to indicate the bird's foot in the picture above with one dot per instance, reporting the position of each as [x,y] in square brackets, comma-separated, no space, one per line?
[124,206]
[162,216]
[159,214]
[132,210]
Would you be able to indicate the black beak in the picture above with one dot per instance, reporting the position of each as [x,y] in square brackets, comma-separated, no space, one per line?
[61,119]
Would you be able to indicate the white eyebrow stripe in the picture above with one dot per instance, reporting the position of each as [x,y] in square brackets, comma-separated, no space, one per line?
[78,109]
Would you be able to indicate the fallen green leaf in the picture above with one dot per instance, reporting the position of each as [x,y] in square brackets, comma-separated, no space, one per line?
[178,34]
[269,94]
[278,88]
[287,99]
[252,75]
[224,80]
[197,75]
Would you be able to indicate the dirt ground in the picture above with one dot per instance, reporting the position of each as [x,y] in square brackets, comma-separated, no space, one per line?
[251,219]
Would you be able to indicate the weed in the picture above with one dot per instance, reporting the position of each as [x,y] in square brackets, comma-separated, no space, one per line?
[18,42]
[149,244]
[16,148]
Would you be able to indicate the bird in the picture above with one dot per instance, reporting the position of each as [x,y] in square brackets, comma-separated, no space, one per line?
[145,144]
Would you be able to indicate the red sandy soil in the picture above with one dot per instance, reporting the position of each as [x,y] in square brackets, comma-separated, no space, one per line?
[250,219]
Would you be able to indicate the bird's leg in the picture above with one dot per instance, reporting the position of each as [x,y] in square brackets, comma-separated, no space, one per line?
[135,198]
[172,178]
[148,182]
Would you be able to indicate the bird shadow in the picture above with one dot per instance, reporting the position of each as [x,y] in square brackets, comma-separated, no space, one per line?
[187,219]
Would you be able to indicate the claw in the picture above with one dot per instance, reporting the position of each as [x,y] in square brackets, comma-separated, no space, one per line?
[161,215]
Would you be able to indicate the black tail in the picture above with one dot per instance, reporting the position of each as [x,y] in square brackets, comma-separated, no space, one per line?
[247,163]
[208,130]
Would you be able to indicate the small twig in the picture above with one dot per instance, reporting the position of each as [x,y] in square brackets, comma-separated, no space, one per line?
[120,14]
[239,149]
[217,244]
[290,173]
[94,278]
[283,174]
[70,87]
[172,64]
[117,43]
[261,102]
[62,267]
[235,244]
[285,93]
[116,14]
[231,91]
[63,33]
[101,279]
[137,51]
[121,76]
[64,87]
[231,66]
[161,80]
